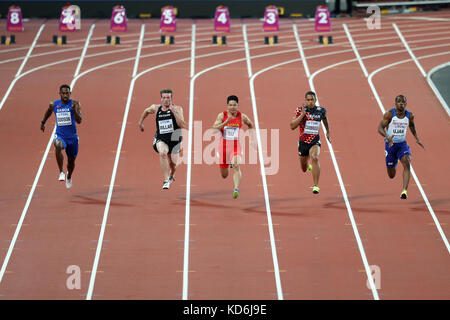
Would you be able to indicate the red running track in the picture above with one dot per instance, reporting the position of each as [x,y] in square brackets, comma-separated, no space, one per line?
[313,252]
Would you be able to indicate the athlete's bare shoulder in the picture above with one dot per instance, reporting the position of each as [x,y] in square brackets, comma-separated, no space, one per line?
[388,114]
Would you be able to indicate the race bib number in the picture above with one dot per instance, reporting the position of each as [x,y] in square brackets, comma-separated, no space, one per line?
[14,21]
[312,127]
[165,126]
[63,118]
[231,133]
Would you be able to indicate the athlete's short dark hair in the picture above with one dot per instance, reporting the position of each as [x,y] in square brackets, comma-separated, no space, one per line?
[311,93]
[400,97]
[234,98]
[166,91]
[64,86]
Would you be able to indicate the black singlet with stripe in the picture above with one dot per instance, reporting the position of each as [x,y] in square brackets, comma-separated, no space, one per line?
[167,129]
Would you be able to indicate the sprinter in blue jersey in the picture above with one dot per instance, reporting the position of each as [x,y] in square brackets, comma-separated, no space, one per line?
[393,128]
[67,113]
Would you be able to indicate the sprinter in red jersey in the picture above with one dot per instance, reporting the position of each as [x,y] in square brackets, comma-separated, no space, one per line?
[229,122]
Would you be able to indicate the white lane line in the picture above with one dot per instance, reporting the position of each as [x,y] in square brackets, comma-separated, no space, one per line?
[247,51]
[114,172]
[300,48]
[22,66]
[348,206]
[263,172]
[138,53]
[30,196]
[409,50]
[187,218]
[83,53]
[30,50]
[352,43]
[416,179]
[188,181]
[193,51]
[433,86]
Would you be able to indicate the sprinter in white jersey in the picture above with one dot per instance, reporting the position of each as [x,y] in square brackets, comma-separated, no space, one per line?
[393,128]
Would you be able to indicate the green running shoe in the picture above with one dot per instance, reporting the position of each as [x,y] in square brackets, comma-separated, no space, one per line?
[316,190]
[235,193]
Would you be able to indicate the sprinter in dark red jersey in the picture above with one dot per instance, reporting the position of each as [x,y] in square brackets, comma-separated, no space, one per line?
[307,118]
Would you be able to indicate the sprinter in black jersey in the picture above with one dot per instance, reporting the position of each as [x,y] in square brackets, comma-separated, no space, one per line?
[167,141]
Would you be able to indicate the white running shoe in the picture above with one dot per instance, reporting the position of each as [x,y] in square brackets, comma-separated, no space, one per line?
[166,184]
[62,176]
[69,183]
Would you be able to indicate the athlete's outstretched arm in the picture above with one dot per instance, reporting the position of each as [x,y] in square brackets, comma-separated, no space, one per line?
[77,109]
[412,127]
[47,115]
[383,125]
[149,110]
[296,120]
[325,123]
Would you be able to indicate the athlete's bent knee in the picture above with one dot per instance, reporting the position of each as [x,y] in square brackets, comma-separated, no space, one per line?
[58,144]
[391,173]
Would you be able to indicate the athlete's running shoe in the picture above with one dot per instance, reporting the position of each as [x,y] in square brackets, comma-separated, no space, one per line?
[235,193]
[316,190]
[404,194]
[309,168]
[166,184]
[62,176]
[69,183]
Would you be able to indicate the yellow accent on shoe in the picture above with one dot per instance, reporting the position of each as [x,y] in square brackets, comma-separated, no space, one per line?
[404,194]
[316,190]
[309,168]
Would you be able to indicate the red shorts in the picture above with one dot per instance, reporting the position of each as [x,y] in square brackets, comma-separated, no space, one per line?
[227,150]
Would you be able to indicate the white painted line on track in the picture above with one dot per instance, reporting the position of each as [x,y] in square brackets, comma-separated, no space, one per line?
[352,43]
[300,48]
[33,188]
[416,179]
[187,218]
[83,53]
[30,50]
[263,171]
[22,66]
[247,51]
[409,51]
[114,172]
[347,204]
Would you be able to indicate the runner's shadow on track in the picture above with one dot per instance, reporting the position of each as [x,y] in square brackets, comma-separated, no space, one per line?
[86,200]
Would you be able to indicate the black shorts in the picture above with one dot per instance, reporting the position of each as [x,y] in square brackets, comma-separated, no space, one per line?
[174,146]
[303,148]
